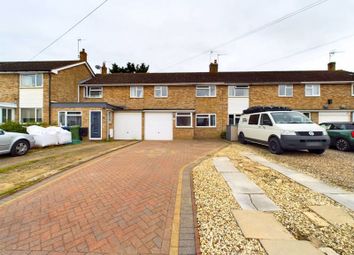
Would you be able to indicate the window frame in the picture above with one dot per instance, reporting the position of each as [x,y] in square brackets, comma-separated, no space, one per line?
[286,86]
[88,90]
[185,113]
[312,95]
[200,87]
[209,117]
[235,87]
[352,89]
[8,117]
[159,88]
[254,124]
[66,117]
[234,115]
[136,87]
[36,78]
[35,114]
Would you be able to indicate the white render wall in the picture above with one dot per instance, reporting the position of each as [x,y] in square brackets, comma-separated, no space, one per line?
[31,98]
[237,104]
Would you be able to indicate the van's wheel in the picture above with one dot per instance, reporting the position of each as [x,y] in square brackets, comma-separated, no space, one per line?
[20,148]
[342,145]
[274,146]
[317,151]
[241,138]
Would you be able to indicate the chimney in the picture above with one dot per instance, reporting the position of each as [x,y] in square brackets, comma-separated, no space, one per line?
[331,66]
[83,55]
[213,67]
[104,69]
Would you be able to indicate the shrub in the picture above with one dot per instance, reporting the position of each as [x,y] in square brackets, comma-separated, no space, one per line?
[11,126]
[223,135]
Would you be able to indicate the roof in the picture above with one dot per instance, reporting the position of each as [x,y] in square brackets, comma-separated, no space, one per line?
[35,66]
[222,77]
[86,105]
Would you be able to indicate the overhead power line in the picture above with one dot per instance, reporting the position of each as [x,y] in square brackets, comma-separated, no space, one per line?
[304,50]
[71,28]
[253,31]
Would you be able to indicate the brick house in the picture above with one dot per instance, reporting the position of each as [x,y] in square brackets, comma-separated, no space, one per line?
[166,106]
[28,88]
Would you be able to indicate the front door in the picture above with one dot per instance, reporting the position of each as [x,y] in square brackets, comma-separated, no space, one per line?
[95,125]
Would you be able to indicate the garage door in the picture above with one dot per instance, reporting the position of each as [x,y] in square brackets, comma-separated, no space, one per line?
[158,126]
[333,116]
[127,126]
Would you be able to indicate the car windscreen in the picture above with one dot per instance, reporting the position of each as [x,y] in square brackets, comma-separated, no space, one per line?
[345,126]
[290,118]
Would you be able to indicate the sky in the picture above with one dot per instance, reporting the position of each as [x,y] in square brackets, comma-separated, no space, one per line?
[162,33]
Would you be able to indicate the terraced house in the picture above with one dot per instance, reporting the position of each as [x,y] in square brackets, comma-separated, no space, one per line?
[166,106]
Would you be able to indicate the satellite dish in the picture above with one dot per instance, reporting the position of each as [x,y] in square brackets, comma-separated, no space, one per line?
[98,67]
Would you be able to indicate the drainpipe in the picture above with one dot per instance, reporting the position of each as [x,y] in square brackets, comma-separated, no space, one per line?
[50,99]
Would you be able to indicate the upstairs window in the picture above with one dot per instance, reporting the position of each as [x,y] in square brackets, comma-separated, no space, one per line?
[161,91]
[312,90]
[285,90]
[238,91]
[93,92]
[206,91]
[31,80]
[136,91]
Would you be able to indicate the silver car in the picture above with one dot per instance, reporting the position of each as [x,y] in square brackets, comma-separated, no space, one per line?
[17,144]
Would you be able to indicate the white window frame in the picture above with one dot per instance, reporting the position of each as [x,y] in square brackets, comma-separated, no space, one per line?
[208,114]
[66,117]
[89,89]
[234,117]
[184,114]
[159,88]
[12,114]
[233,88]
[135,89]
[352,89]
[200,87]
[35,83]
[286,87]
[35,114]
[311,86]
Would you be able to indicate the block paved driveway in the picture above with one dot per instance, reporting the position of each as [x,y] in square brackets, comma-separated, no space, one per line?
[122,203]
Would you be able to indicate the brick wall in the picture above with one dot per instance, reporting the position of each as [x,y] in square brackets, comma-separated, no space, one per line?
[9,87]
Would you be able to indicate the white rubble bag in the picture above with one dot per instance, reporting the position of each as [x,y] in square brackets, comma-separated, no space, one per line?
[49,136]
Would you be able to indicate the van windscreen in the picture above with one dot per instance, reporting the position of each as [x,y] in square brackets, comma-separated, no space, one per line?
[290,118]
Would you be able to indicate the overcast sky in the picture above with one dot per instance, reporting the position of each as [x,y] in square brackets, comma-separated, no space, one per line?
[163,32]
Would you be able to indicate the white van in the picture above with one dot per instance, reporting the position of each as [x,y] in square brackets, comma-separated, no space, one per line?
[281,129]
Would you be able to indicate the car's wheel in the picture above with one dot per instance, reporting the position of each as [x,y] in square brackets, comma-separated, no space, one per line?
[274,146]
[317,151]
[342,145]
[20,148]
[241,138]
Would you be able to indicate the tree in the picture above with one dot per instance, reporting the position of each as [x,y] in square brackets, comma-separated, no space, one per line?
[130,68]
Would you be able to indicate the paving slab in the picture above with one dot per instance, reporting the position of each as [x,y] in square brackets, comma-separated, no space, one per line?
[242,184]
[223,164]
[338,194]
[334,215]
[260,225]
[289,247]
[328,251]
[263,203]
[316,219]
[244,200]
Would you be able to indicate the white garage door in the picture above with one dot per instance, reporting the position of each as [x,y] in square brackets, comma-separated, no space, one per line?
[158,126]
[333,116]
[127,126]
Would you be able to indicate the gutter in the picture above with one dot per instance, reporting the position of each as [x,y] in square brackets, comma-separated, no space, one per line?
[50,99]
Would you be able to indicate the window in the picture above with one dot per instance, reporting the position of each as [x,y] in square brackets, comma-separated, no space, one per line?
[184,120]
[265,120]
[69,119]
[253,119]
[161,91]
[353,89]
[6,115]
[29,115]
[238,91]
[93,92]
[285,90]
[136,91]
[234,119]
[312,90]
[206,120]
[206,91]
[31,80]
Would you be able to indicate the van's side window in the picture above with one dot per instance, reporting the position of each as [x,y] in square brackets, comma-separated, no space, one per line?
[253,119]
[265,120]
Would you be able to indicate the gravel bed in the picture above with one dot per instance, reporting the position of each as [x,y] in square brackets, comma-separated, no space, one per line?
[295,199]
[333,166]
[218,230]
